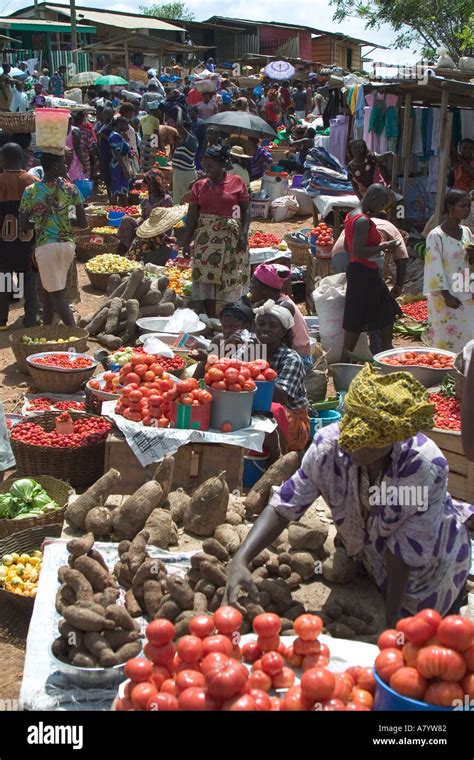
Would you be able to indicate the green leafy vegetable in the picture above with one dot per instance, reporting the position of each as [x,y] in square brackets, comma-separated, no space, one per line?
[25,490]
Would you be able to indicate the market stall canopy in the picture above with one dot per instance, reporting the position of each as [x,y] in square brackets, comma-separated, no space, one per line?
[83,79]
[241,122]
[144,43]
[110,80]
[280,70]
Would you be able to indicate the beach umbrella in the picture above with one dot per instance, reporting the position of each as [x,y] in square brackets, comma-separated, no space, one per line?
[241,122]
[280,70]
[110,80]
[83,79]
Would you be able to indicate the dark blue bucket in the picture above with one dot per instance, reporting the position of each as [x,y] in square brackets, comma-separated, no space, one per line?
[386,699]
[262,401]
[85,187]
[254,467]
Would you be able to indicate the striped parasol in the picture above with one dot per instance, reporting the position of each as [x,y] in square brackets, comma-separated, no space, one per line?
[83,79]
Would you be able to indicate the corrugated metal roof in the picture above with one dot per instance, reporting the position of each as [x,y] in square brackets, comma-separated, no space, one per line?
[41,24]
[120,20]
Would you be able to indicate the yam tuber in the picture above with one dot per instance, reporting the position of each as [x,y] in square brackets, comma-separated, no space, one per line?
[113,316]
[181,592]
[119,638]
[208,506]
[132,283]
[112,283]
[164,309]
[97,324]
[150,311]
[152,596]
[99,647]
[78,546]
[112,342]
[86,620]
[83,660]
[99,522]
[128,651]
[79,583]
[213,573]
[169,296]
[130,518]
[163,283]
[179,502]
[142,290]
[148,570]
[164,474]
[131,604]
[133,312]
[109,596]
[98,577]
[95,554]
[137,553]
[120,616]
[151,298]
[162,530]
[95,496]
[212,546]
[168,610]
[259,495]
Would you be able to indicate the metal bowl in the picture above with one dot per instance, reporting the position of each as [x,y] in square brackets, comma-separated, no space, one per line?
[92,366]
[89,678]
[160,325]
[427,376]
[343,375]
[100,394]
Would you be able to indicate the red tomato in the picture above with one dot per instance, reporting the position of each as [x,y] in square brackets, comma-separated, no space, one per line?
[160,655]
[197,699]
[295,701]
[169,687]
[219,386]
[217,643]
[469,657]
[293,658]
[391,639]
[306,647]
[201,626]
[440,662]
[190,648]
[226,427]
[357,706]
[317,684]
[455,632]
[160,632]
[251,652]
[215,375]
[366,680]
[213,662]
[333,705]
[260,680]
[270,374]
[419,630]
[467,684]
[432,616]
[409,683]
[186,679]
[266,624]
[388,662]
[284,679]
[308,627]
[231,376]
[227,619]
[343,686]
[228,682]
[234,388]
[410,654]
[124,705]
[443,693]
[141,695]
[314,660]
[272,663]
[163,702]
[261,699]
[362,697]
[138,669]
[354,672]
[159,675]
[268,643]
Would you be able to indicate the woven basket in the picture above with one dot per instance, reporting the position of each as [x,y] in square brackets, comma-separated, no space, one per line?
[85,250]
[299,251]
[55,381]
[459,376]
[17,123]
[58,490]
[25,541]
[22,350]
[99,280]
[79,467]
[278,154]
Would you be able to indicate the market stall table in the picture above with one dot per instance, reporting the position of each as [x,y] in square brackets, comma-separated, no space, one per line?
[323,205]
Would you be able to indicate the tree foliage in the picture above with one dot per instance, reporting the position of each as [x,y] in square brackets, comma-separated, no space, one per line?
[177,10]
[424,24]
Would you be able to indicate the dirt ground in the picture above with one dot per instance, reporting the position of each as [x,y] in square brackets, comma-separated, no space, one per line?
[13,384]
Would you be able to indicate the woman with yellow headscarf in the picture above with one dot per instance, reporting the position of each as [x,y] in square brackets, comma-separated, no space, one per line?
[385,482]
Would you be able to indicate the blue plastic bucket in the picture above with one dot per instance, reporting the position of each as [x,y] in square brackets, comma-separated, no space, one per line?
[386,699]
[254,467]
[115,217]
[297,181]
[262,401]
[325,417]
[85,187]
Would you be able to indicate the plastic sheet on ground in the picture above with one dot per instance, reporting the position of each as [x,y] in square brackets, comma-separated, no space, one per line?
[150,444]
[43,687]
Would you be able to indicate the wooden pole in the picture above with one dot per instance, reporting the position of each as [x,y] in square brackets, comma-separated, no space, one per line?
[406,144]
[127,64]
[73,32]
[444,149]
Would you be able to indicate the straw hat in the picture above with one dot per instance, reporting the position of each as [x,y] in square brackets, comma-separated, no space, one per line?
[238,152]
[161,220]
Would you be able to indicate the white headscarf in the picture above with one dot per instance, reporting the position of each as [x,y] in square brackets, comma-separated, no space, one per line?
[281,313]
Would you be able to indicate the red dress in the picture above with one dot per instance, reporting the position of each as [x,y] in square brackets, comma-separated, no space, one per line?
[373,238]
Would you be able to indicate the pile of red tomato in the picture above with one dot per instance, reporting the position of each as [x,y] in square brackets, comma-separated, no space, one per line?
[263,240]
[205,671]
[63,360]
[234,375]
[413,358]
[87,431]
[130,210]
[448,411]
[324,234]
[429,658]
[417,310]
[45,404]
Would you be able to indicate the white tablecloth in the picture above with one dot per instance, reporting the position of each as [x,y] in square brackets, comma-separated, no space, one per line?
[326,203]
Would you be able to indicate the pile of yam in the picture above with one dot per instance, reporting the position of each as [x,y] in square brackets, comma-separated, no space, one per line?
[114,323]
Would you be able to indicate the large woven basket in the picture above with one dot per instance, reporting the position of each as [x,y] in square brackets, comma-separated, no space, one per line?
[58,490]
[58,381]
[17,123]
[25,541]
[299,251]
[99,280]
[22,350]
[79,467]
[85,250]
[459,376]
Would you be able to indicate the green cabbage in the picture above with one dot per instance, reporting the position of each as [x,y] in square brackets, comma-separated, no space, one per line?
[43,501]
[24,490]
[26,498]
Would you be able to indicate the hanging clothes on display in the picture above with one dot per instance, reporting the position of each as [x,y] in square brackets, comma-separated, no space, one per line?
[338,137]
[334,105]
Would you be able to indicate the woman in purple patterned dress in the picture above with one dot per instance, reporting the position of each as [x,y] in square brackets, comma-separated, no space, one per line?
[386,485]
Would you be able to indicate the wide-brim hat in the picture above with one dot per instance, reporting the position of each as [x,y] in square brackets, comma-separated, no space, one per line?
[161,220]
[238,152]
